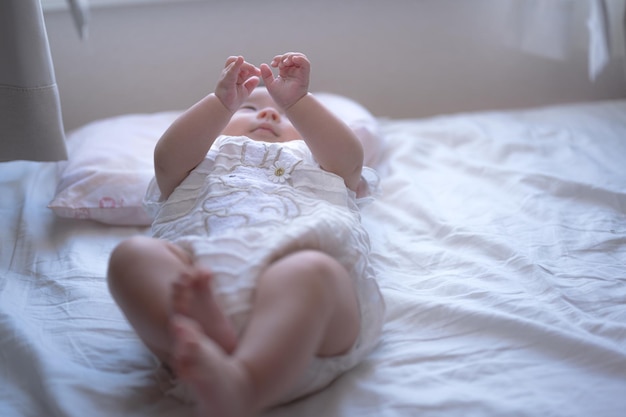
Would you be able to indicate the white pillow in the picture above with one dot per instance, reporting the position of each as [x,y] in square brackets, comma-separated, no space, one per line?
[108,170]
[111,162]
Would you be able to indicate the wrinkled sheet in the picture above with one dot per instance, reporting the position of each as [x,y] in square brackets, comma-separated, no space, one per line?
[500,243]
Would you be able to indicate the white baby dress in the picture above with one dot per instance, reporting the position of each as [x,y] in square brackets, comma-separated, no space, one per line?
[249,203]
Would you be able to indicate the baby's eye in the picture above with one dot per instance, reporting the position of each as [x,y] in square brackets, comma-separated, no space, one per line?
[248,107]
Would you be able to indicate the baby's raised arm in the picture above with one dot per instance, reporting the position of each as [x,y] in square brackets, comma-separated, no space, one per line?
[185,143]
[333,144]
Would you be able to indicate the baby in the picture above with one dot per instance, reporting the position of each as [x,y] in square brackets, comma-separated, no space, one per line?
[255,288]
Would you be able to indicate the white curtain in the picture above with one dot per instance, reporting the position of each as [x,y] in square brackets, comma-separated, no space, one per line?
[555,28]
[31,127]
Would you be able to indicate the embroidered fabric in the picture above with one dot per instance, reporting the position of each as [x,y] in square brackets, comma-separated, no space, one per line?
[249,203]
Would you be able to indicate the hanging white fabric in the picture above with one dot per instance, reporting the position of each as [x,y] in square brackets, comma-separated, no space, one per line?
[555,28]
[80,15]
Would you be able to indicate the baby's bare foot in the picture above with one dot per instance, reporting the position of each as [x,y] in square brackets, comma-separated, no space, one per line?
[219,384]
[192,297]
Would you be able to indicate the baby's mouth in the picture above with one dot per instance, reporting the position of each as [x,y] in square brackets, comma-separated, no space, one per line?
[266,127]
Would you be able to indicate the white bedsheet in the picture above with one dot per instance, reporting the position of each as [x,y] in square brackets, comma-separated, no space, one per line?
[500,241]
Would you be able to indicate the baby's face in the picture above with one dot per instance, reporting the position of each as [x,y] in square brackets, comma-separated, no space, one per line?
[259,118]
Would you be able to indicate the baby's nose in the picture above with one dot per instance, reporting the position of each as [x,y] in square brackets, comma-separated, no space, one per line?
[269,113]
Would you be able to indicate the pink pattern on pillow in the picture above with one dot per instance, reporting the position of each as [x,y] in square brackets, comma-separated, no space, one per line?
[109,167]
[109,202]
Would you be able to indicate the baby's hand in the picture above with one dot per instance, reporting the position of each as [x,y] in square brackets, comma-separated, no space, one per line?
[292,82]
[238,80]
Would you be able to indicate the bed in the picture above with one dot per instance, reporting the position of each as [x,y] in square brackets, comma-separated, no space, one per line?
[499,239]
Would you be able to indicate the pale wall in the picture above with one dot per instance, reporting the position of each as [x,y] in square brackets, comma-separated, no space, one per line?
[401,58]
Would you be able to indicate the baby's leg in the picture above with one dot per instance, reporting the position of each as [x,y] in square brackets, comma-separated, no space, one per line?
[192,296]
[219,384]
[305,306]
[142,274]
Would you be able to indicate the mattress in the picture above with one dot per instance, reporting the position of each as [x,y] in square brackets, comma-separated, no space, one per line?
[499,240]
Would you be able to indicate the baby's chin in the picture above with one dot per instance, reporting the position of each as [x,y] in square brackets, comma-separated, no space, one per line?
[264,136]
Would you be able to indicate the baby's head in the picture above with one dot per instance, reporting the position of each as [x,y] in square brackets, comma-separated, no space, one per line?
[260,118]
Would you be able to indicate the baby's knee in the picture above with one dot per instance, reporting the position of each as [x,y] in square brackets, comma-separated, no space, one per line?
[320,271]
[125,255]
[127,250]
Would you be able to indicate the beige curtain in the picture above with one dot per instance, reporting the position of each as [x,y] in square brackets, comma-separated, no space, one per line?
[31,127]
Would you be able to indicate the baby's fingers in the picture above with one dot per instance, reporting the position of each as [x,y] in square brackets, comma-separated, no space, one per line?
[247,71]
[231,59]
[266,74]
[232,67]
[289,59]
[276,60]
[239,70]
